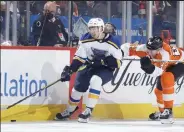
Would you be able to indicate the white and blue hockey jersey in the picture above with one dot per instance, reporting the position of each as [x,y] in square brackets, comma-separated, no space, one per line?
[90,47]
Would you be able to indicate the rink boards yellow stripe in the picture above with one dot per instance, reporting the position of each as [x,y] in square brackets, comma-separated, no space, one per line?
[31,112]
[106,111]
[131,111]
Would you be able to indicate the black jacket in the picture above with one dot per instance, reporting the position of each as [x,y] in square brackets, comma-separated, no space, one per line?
[50,33]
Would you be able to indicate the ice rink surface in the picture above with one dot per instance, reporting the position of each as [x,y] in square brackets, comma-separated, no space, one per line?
[94,126]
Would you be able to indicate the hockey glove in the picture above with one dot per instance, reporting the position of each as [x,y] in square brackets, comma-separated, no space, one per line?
[65,75]
[146,65]
[112,62]
[97,62]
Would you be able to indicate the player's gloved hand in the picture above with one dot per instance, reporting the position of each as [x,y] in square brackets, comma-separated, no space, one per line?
[97,63]
[111,62]
[65,75]
[145,62]
[146,65]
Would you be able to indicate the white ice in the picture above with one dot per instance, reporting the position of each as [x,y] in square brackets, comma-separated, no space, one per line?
[94,126]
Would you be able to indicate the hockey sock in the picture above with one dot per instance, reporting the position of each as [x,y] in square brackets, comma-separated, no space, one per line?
[94,91]
[160,101]
[167,82]
[74,100]
[93,97]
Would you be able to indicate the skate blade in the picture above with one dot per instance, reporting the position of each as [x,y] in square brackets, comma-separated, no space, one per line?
[167,121]
[83,120]
[56,119]
[153,119]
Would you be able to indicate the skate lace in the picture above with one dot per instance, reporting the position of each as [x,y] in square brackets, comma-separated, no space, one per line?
[166,112]
[157,114]
[64,113]
[87,111]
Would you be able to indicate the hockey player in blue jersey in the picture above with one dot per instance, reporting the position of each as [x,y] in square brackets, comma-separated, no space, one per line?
[111,29]
[95,60]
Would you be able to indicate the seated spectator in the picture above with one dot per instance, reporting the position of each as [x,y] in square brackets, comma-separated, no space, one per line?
[49,30]
[96,9]
[6,43]
[63,5]
[157,22]
[162,21]
[82,7]
[1,38]
[36,7]
[3,42]
[142,9]
[3,17]
[114,9]
[3,5]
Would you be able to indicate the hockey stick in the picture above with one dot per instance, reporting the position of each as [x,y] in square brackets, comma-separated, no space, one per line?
[39,39]
[8,107]
[155,60]
[141,33]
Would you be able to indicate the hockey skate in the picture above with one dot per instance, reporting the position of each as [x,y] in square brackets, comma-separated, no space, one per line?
[166,117]
[85,115]
[154,116]
[64,115]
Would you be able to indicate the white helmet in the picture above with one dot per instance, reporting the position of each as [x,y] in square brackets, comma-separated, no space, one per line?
[96,22]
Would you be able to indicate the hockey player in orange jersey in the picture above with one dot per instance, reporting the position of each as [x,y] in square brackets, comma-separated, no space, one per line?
[167,72]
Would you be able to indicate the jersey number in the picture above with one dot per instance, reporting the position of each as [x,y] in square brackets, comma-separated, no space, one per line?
[175,51]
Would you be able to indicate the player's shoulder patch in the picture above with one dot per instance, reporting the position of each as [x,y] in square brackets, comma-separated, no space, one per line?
[112,40]
[86,38]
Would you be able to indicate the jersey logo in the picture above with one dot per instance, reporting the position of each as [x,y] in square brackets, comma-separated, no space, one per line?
[175,51]
[98,53]
[38,24]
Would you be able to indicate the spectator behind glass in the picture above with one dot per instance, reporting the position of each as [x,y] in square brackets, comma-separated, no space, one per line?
[2,18]
[63,5]
[96,9]
[142,9]
[163,21]
[111,29]
[3,23]
[36,7]
[49,30]
[157,22]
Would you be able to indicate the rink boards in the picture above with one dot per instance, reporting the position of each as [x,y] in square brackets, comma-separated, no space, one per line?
[24,70]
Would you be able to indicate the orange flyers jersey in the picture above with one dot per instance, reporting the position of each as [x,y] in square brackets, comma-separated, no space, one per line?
[166,53]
